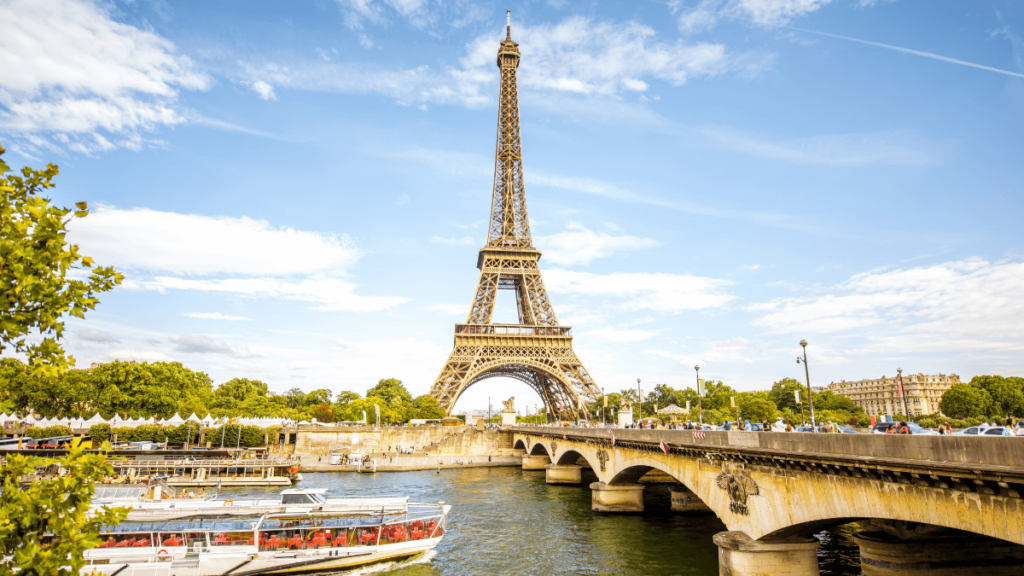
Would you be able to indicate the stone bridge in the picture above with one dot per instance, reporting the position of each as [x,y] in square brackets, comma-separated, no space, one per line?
[927,504]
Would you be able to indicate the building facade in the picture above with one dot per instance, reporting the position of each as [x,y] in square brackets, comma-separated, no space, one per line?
[879,396]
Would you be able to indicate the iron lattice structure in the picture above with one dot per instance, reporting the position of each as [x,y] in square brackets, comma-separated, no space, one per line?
[537,350]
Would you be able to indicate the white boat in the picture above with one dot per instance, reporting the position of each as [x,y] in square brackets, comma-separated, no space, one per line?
[368,465]
[268,544]
[293,500]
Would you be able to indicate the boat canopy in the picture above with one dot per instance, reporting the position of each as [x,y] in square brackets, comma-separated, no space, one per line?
[119,493]
[192,524]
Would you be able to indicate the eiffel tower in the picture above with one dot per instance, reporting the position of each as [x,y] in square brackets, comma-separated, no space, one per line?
[537,350]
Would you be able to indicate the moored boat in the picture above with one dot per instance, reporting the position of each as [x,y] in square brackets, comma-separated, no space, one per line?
[268,544]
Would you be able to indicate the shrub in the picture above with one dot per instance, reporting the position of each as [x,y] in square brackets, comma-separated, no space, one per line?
[100,433]
[49,432]
[249,436]
[178,434]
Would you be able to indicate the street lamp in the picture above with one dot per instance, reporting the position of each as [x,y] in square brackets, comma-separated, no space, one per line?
[639,402]
[902,393]
[810,397]
[700,409]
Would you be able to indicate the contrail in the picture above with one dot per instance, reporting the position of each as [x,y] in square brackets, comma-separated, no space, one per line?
[909,51]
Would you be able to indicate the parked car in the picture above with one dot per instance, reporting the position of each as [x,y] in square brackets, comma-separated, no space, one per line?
[997,431]
[969,431]
[883,427]
[842,429]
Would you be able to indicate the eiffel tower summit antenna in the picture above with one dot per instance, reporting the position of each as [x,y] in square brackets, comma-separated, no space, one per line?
[536,350]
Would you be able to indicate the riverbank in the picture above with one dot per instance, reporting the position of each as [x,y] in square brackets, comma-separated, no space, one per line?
[412,462]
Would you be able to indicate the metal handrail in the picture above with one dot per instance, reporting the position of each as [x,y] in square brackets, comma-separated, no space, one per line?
[513,330]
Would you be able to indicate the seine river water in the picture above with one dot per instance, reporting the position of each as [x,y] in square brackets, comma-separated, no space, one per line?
[507,521]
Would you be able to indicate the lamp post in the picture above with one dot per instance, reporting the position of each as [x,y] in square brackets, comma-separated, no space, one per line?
[700,409]
[604,406]
[639,402]
[810,396]
[902,393]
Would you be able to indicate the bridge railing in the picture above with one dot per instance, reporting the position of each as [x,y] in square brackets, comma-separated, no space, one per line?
[962,450]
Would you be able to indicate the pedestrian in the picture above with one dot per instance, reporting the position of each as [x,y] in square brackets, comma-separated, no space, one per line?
[904,429]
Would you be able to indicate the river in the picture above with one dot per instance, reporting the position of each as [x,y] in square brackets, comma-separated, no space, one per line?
[507,521]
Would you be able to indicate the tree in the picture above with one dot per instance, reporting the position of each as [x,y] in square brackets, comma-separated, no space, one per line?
[295,397]
[46,526]
[757,407]
[1007,394]
[783,394]
[964,400]
[35,264]
[389,389]
[317,397]
[324,413]
[241,389]
[148,389]
[346,397]
[426,407]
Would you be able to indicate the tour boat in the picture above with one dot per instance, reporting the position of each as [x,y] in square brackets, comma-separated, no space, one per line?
[344,537]
[294,500]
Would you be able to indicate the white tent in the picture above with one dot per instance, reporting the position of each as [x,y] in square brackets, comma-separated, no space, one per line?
[117,421]
[96,419]
[174,420]
[193,418]
[209,420]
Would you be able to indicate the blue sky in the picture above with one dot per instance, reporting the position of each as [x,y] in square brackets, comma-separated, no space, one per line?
[297,192]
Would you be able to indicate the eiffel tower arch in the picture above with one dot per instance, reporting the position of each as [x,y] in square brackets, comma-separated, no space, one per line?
[537,350]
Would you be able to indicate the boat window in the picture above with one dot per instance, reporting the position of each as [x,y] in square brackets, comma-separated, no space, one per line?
[231,538]
[298,499]
[126,540]
[171,539]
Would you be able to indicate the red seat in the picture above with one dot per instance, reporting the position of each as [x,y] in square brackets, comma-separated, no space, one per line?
[341,541]
[143,542]
[121,544]
[417,534]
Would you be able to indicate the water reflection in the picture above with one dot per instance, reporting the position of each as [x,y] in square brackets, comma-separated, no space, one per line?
[506,521]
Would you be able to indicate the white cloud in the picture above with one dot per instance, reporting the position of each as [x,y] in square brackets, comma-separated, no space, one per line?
[96,336]
[171,251]
[153,240]
[654,291]
[215,316]
[464,241]
[767,13]
[577,56]
[266,91]
[200,344]
[330,294]
[894,147]
[70,73]
[450,309]
[969,303]
[578,245]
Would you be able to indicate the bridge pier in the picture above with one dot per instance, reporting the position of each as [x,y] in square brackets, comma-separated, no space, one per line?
[738,555]
[956,554]
[563,474]
[616,498]
[531,462]
[683,500]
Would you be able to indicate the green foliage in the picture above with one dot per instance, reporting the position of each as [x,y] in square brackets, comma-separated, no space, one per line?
[177,435]
[427,407]
[46,527]
[36,289]
[146,389]
[49,432]
[758,408]
[390,390]
[1007,394]
[235,435]
[965,400]
[828,400]
[241,389]
[100,433]
[783,394]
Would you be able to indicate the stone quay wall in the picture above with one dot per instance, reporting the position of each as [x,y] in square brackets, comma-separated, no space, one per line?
[435,440]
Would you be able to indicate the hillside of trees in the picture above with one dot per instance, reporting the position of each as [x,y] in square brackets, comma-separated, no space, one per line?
[161,389]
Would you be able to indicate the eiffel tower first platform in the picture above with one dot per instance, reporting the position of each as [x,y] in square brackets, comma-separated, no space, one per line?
[537,350]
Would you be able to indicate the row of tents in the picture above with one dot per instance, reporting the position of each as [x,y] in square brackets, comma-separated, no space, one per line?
[118,422]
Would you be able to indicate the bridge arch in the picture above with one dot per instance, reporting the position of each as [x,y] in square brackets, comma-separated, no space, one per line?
[519,445]
[539,449]
[572,457]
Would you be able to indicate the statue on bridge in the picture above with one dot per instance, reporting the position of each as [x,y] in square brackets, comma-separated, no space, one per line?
[509,404]
[625,404]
